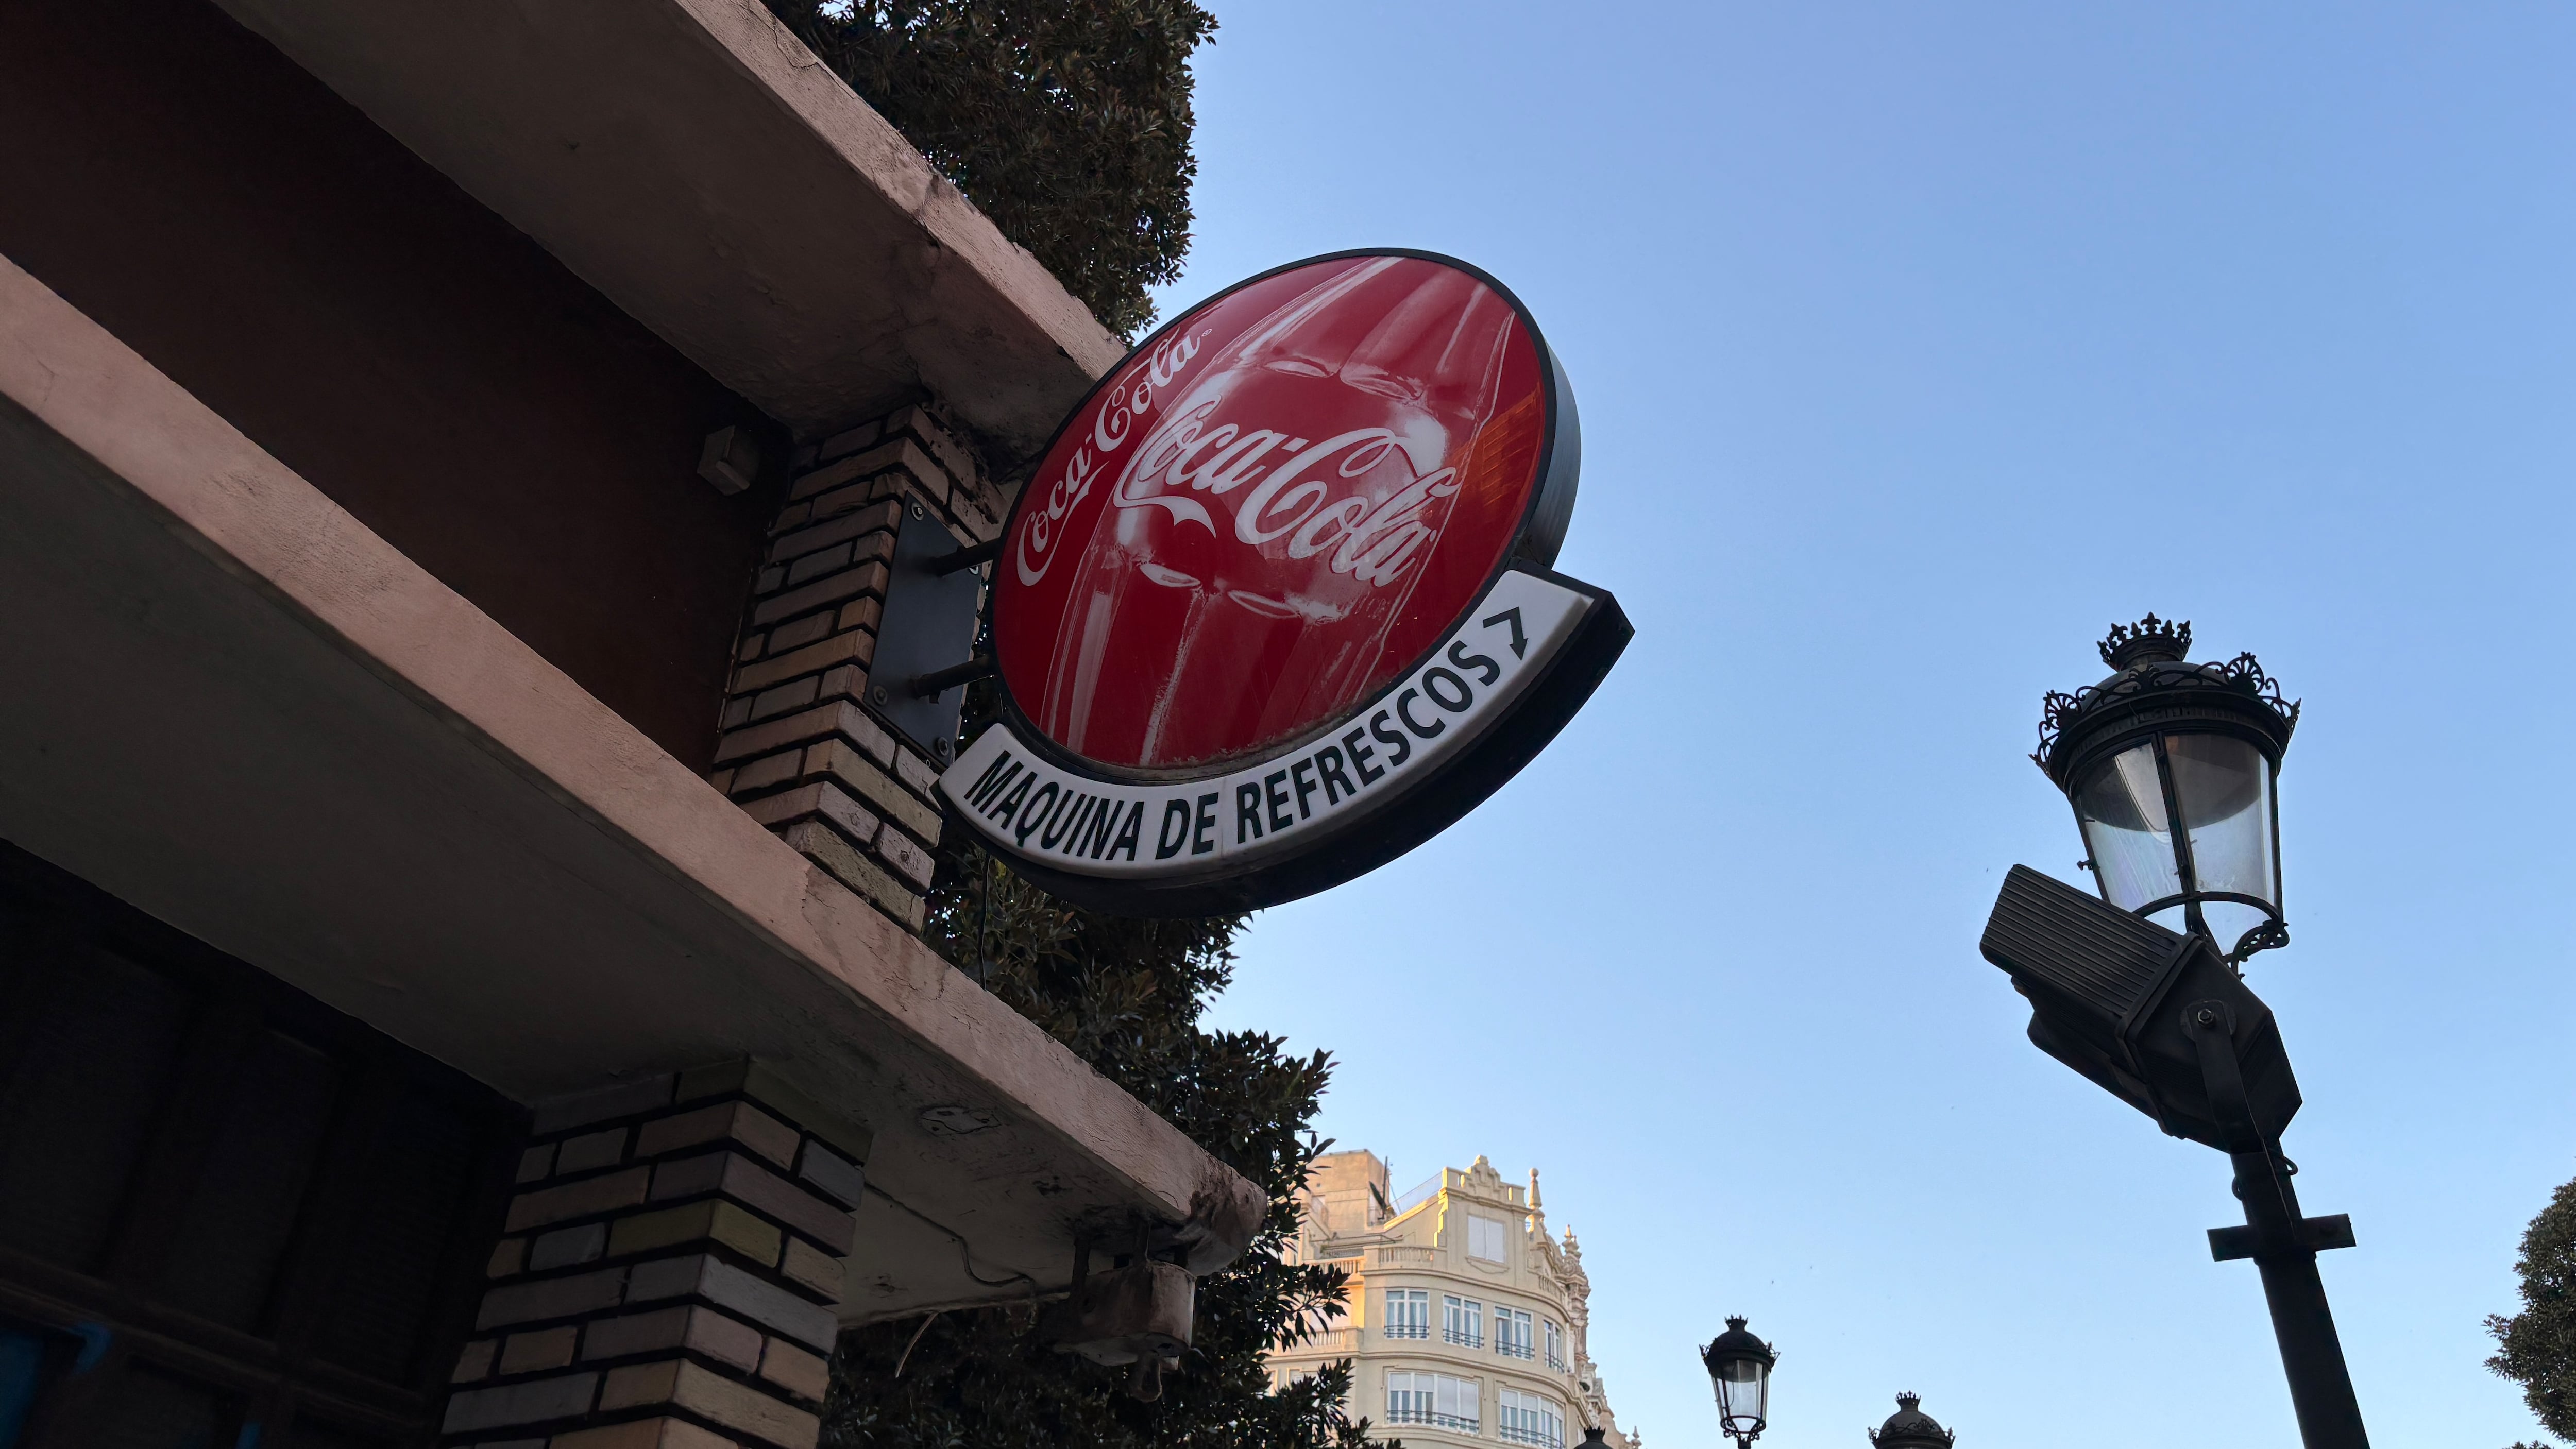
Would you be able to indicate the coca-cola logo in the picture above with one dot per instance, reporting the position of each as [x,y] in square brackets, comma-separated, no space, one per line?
[1113,421]
[1275,605]
[1370,539]
[1270,510]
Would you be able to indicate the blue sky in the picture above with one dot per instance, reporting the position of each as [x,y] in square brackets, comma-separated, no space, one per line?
[1917,343]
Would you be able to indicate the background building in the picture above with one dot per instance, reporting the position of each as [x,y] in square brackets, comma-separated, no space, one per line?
[1467,1321]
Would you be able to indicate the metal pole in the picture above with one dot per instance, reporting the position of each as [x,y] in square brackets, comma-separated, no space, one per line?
[2282,1244]
[2311,1352]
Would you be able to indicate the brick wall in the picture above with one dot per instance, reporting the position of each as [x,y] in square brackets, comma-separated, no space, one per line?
[801,748]
[668,1273]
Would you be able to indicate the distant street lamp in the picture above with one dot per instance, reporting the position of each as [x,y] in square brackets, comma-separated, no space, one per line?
[1911,1428]
[1739,1365]
[2170,767]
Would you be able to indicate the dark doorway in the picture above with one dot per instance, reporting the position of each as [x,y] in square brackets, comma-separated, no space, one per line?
[228,1214]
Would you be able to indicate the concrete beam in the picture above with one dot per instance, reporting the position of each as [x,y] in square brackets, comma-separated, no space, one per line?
[240,710]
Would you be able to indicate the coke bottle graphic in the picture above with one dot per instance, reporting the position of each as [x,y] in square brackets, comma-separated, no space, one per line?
[1263,538]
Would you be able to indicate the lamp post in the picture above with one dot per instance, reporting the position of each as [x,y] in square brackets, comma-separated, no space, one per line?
[2170,767]
[1739,1367]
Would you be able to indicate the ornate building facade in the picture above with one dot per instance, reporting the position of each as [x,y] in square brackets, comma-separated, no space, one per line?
[1467,1322]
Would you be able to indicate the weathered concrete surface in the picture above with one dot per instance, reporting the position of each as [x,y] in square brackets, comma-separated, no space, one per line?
[694,161]
[234,706]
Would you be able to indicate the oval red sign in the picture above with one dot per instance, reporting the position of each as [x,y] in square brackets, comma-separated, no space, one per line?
[1274,508]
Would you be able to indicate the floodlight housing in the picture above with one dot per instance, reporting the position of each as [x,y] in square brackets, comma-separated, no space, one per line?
[2108,993]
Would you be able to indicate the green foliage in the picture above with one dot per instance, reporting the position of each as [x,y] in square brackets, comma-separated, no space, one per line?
[1067,121]
[2537,1347]
[1125,995]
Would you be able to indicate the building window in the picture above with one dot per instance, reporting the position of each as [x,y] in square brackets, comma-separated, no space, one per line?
[1529,1419]
[1462,1321]
[1435,1399]
[1406,1404]
[1485,1238]
[1512,1333]
[1408,1313]
[1555,1335]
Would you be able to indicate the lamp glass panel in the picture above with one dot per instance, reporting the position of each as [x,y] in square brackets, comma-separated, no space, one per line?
[2225,789]
[2121,806]
[2224,786]
[1742,1385]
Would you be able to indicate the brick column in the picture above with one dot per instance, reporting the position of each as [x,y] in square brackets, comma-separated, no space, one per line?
[801,750]
[668,1274]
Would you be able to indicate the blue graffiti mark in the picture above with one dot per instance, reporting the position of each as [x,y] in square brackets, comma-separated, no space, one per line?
[22,1364]
[94,1337]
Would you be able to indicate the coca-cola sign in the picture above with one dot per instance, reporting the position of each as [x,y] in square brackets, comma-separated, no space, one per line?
[1282,574]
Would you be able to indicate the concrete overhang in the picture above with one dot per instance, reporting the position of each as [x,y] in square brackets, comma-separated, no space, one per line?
[236,708]
[693,161]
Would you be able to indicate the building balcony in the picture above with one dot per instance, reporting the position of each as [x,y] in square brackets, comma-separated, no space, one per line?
[1515,1350]
[1332,1342]
[1405,1330]
[1543,1440]
[1464,1338]
[1436,1421]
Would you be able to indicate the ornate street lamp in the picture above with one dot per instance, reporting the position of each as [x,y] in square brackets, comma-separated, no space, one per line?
[1911,1428]
[2170,766]
[1739,1366]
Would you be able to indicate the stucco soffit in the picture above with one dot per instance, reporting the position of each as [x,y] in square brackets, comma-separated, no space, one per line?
[699,166]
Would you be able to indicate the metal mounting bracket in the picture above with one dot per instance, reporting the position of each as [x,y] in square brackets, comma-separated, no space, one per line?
[927,629]
[2226,1245]
[2272,1220]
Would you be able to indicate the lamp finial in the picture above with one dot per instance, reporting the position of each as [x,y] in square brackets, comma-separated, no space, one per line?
[2149,641]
